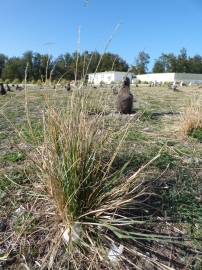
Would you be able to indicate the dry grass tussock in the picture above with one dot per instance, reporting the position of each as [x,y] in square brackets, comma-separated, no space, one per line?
[97,205]
[191,117]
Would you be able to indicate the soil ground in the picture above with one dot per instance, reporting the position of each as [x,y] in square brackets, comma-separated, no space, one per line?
[154,126]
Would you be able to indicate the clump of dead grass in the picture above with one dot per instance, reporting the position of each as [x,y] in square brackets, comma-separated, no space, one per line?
[191,117]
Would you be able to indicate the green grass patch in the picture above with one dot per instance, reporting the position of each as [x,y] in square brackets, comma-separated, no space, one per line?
[15,176]
[196,133]
[134,161]
[3,135]
[165,160]
[21,220]
[146,116]
[14,157]
[33,134]
[181,200]
[136,135]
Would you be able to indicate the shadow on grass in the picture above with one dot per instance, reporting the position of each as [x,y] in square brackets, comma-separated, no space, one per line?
[149,115]
[171,204]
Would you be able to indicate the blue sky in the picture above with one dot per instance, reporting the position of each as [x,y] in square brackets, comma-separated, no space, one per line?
[155,26]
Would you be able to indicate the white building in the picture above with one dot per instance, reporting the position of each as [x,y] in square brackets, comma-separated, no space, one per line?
[108,77]
[170,77]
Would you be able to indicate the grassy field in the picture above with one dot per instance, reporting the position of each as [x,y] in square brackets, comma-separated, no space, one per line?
[173,209]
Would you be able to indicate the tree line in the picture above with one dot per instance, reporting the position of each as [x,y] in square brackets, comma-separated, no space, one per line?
[180,63]
[169,62]
[42,67]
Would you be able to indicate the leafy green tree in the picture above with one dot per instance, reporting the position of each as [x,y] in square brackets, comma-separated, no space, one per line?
[3,60]
[141,65]
[195,64]
[113,62]
[27,59]
[166,63]
[36,68]
[158,67]
[46,65]
[14,69]
[62,68]
[182,61]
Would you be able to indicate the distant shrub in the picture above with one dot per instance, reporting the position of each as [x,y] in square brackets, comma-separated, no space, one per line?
[16,81]
[102,83]
[145,82]
[167,83]
[64,82]
[7,81]
[39,82]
